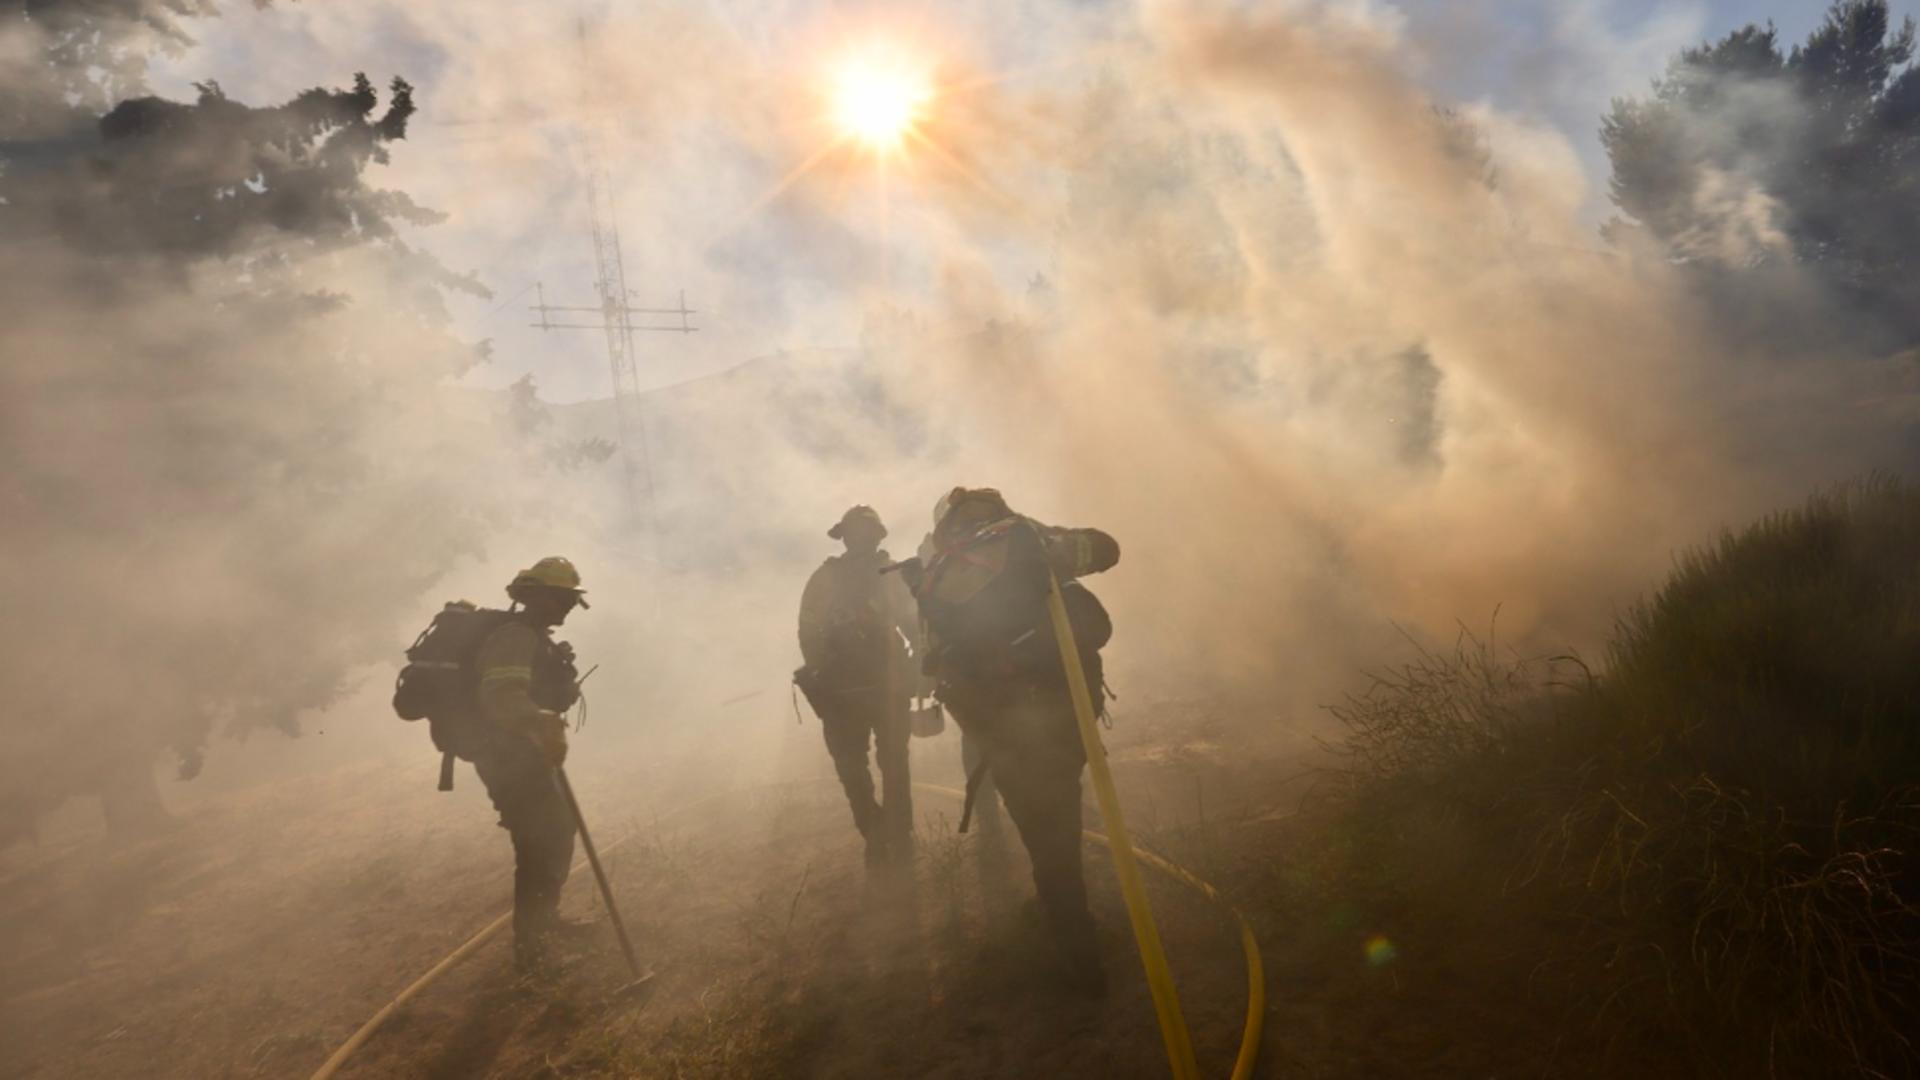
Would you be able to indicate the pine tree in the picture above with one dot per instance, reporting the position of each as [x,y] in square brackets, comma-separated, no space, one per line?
[1744,153]
[235,464]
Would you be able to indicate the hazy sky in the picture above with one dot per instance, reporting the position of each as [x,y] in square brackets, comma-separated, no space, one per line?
[767,279]
[1321,374]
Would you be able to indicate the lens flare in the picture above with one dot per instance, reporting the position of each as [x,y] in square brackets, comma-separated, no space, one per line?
[1380,951]
[878,98]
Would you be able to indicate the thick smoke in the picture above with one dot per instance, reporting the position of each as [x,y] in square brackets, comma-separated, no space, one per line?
[1326,354]
[235,459]
[1325,357]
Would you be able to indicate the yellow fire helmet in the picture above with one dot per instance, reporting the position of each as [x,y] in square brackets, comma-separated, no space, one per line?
[552,572]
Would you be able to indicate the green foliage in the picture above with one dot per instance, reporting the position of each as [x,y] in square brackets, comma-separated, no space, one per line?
[1804,630]
[91,54]
[1715,838]
[204,177]
[1744,152]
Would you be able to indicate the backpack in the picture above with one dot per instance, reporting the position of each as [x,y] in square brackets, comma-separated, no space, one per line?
[1092,629]
[1092,626]
[438,682]
[987,605]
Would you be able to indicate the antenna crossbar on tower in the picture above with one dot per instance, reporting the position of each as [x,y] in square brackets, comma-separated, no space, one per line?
[618,320]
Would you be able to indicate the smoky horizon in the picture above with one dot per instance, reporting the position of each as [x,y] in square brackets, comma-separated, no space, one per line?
[1373,333]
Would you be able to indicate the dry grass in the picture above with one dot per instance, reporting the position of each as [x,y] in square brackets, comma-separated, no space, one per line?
[1709,848]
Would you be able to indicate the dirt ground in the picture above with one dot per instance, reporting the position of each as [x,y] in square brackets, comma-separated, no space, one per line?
[261,929]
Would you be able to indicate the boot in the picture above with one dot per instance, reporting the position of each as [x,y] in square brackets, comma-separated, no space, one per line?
[876,848]
[1084,970]
[571,933]
[1077,943]
[531,956]
[899,834]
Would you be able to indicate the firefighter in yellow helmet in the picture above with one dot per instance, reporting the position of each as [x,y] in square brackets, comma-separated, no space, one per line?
[981,582]
[525,683]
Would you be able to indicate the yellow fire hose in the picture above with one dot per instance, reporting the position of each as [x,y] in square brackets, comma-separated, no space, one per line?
[1126,859]
[373,1024]
[466,949]
[1256,972]
[1249,945]
[1146,934]
[1173,1025]
[1256,979]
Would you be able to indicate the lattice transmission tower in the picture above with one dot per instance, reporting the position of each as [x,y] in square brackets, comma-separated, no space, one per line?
[619,320]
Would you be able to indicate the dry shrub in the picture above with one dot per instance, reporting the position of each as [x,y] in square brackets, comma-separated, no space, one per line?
[1420,719]
[1714,838]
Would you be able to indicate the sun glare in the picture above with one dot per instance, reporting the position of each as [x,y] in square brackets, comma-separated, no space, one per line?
[877,99]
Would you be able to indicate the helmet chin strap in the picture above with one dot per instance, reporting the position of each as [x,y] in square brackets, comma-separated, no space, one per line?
[552,613]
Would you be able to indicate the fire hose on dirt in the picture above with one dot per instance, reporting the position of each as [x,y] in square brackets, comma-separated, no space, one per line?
[1146,933]
[1251,1033]
[1172,1022]
[1126,861]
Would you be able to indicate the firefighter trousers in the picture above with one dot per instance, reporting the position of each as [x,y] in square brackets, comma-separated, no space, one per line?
[521,782]
[1031,746]
[854,723]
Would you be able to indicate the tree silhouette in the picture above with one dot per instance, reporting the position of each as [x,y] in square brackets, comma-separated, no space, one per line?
[1744,154]
[234,462]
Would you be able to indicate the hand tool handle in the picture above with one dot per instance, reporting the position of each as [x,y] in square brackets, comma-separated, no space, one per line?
[599,875]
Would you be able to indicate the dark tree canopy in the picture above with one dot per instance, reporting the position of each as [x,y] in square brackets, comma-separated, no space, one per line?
[200,177]
[224,404]
[215,177]
[89,54]
[1744,152]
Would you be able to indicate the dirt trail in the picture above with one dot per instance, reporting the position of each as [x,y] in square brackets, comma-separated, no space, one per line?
[251,939]
[236,941]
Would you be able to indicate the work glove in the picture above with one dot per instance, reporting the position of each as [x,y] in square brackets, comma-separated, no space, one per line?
[548,730]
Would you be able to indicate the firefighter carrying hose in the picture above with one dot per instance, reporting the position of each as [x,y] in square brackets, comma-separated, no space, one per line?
[982,586]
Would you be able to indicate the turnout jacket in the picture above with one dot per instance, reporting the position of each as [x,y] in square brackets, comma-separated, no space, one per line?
[521,671]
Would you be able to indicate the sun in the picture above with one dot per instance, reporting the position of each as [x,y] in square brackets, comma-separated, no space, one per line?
[893,105]
[878,98]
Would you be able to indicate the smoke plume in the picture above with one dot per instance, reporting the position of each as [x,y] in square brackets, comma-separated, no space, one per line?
[1330,356]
